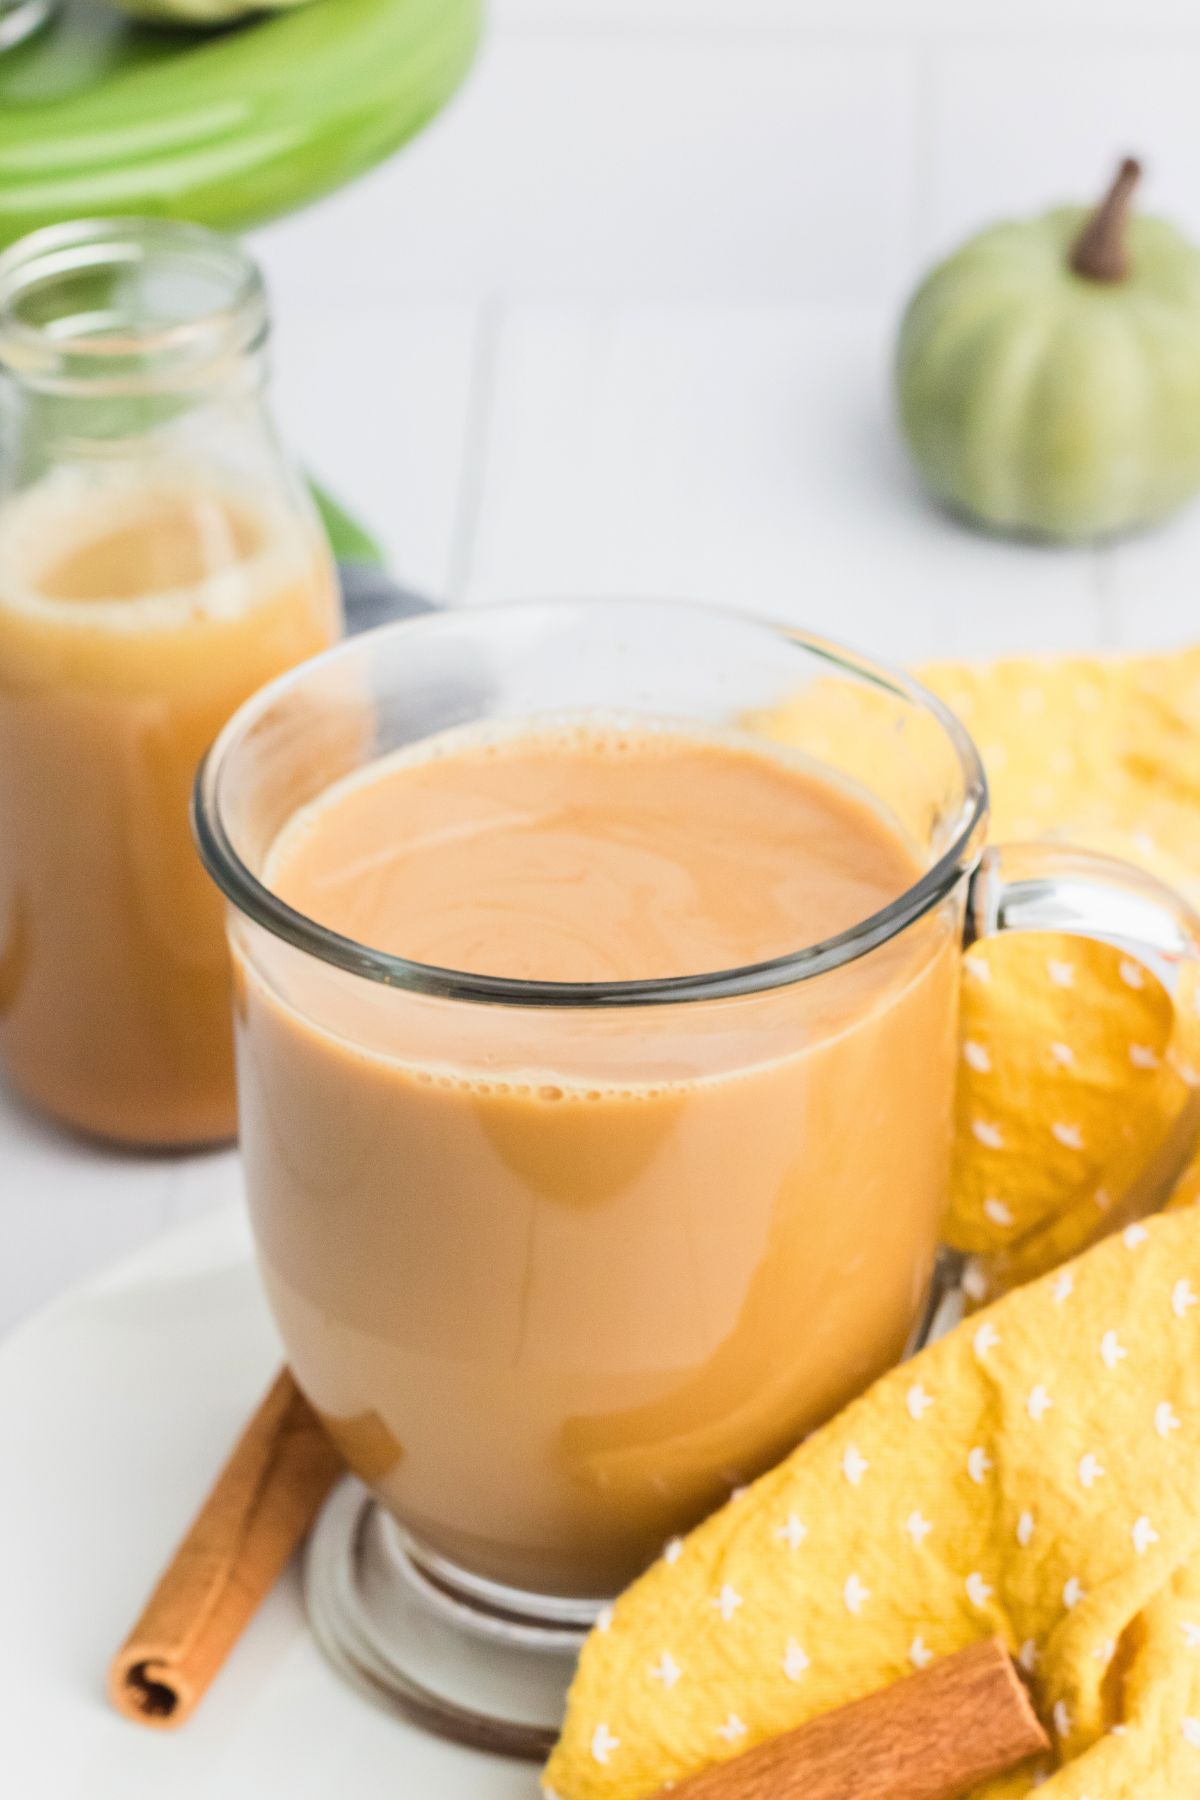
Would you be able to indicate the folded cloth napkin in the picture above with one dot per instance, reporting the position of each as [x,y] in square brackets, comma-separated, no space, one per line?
[1076,1066]
[1034,1474]
[1076,1105]
[1076,1071]
[1037,1472]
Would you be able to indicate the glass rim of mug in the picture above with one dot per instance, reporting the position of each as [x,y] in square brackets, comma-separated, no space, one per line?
[83,353]
[255,900]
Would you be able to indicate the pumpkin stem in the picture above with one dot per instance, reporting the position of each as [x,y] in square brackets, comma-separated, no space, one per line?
[1101,252]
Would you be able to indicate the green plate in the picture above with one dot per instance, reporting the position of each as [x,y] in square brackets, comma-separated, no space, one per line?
[230,127]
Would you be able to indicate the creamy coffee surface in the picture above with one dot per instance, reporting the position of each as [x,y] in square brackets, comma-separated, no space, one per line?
[591,854]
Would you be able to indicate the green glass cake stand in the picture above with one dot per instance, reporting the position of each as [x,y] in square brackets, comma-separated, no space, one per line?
[230,127]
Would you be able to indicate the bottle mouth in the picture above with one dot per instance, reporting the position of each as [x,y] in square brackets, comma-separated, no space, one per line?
[127,306]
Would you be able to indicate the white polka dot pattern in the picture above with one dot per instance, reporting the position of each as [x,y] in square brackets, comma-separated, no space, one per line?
[1009,1479]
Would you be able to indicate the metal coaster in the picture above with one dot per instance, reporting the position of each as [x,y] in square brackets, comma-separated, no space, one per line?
[482,1664]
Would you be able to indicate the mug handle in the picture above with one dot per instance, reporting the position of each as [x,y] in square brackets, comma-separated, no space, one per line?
[1054,888]
[1051,887]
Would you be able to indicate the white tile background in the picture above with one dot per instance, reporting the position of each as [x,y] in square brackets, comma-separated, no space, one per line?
[621,322]
[638,288]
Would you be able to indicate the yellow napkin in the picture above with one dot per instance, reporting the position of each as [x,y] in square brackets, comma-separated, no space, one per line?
[1074,1072]
[1075,1069]
[1075,1106]
[1034,1474]
[1037,1472]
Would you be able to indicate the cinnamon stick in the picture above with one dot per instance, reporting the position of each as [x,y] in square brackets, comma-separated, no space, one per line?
[263,1502]
[932,1736]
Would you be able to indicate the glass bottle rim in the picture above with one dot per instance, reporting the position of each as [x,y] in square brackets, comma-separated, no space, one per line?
[50,339]
[254,900]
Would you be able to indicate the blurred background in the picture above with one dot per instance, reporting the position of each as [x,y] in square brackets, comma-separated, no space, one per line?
[621,321]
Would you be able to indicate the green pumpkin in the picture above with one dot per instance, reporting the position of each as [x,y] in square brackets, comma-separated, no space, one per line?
[1048,373]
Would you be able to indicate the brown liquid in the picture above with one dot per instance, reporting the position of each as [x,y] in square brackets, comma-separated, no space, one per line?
[558,1278]
[132,625]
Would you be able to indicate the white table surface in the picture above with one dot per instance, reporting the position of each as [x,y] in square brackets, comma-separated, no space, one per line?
[118,1405]
[620,323]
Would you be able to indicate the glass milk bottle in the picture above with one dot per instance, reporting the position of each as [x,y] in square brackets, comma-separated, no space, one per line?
[158,562]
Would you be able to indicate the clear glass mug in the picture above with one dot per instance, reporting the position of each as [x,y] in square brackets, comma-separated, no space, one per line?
[561,1265]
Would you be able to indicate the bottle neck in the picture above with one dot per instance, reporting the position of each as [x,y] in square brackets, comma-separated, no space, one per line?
[130,312]
[112,332]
